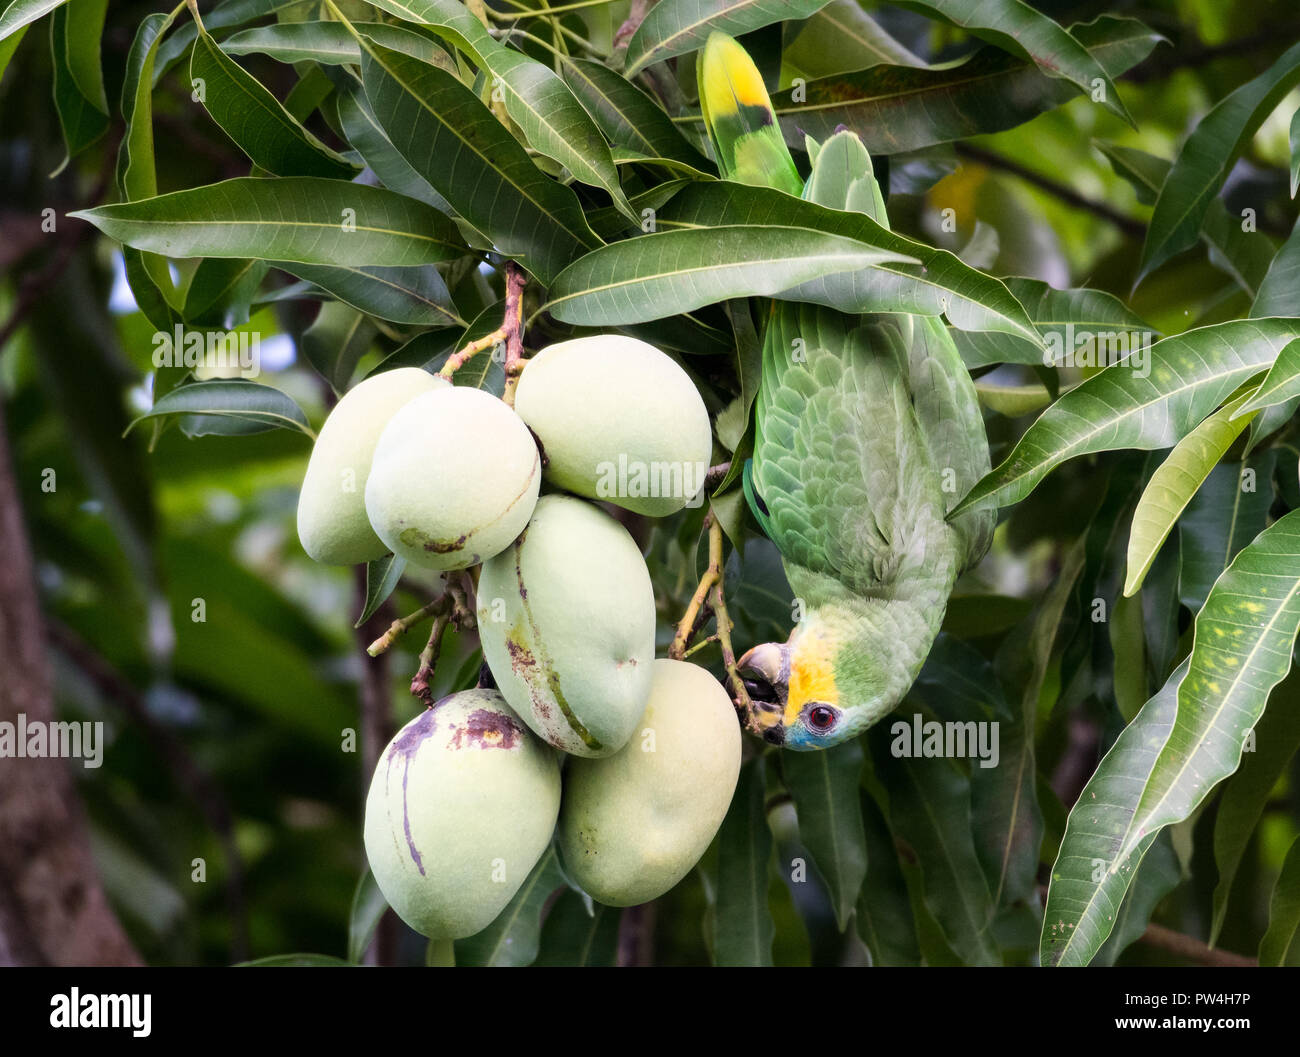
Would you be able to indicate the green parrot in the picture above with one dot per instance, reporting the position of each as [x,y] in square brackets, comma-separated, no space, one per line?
[867,434]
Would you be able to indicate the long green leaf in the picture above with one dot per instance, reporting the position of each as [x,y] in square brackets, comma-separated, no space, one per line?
[1185,377]
[743,927]
[336,341]
[1277,738]
[1080,327]
[455,143]
[1017,27]
[372,143]
[1243,255]
[825,790]
[226,15]
[221,291]
[260,406]
[1174,483]
[840,38]
[628,116]
[368,906]
[904,108]
[1230,509]
[939,284]
[1085,894]
[23,12]
[675,27]
[1279,293]
[330,42]
[255,120]
[670,272]
[1158,875]
[79,100]
[1207,156]
[413,296]
[883,916]
[930,809]
[294,218]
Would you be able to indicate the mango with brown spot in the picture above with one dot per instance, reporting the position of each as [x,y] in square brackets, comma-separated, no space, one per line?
[566,617]
[462,805]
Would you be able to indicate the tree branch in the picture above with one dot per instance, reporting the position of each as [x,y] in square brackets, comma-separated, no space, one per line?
[1190,948]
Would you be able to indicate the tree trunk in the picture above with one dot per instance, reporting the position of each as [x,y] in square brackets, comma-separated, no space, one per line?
[52,906]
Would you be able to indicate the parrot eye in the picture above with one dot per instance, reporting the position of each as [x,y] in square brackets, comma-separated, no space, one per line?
[821,718]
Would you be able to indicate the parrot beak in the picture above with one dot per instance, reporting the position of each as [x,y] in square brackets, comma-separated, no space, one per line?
[766,672]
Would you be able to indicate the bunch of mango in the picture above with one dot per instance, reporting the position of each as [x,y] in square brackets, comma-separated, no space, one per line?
[628,762]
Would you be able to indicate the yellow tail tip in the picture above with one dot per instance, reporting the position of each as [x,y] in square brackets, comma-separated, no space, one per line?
[728,78]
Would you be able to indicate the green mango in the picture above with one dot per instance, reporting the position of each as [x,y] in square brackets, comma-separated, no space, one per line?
[566,617]
[634,824]
[462,805]
[332,522]
[454,479]
[644,445]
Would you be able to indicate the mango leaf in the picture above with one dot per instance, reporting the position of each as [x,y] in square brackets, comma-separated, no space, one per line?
[336,341]
[79,98]
[537,99]
[842,37]
[1183,378]
[1174,483]
[255,120]
[330,43]
[382,576]
[1242,648]
[824,786]
[513,938]
[1086,892]
[371,142]
[455,143]
[1208,155]
[221,291]
[627,116]
[930,809]
[1017,27]
[743,928]
[1158,875]
[939,284]
[1079,326]
[368,906]
[412,296]
[883,916]
[1243,255]
[294,218]
[1281,943]
[1277,737]
[575,935]
[23,12]
[1279,293]
[225,15]
[1230,509]
[670,272]
[248,403]
[675,27]
[1280,385]
[905,108]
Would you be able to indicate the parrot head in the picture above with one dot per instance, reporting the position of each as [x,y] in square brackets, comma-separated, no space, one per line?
[815,690]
